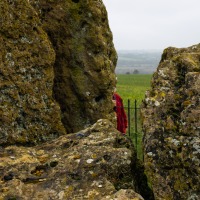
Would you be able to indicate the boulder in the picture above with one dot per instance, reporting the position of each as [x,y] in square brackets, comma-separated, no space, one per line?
[95,163]
[85,59]
[171,124]
[28,112]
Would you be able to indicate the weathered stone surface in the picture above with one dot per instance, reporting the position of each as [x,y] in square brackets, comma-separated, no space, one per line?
[171,123]
[95,163]
[28,113]
[85,59]
[124,195]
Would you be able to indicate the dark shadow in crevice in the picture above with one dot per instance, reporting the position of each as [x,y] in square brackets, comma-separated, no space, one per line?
[75,1]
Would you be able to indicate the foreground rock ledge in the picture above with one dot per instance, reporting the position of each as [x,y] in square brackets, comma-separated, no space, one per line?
[92,164]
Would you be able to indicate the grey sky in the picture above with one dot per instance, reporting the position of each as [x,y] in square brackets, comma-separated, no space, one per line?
[154,24]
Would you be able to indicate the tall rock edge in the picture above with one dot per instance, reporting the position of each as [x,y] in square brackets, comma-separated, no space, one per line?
[171,124]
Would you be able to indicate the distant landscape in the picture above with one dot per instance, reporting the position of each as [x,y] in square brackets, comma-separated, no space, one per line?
[138,61]
[133,87]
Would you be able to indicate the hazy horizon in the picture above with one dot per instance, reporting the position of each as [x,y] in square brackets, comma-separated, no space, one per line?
[153,24]
[139,50]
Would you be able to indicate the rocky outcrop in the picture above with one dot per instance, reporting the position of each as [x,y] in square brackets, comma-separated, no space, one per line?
[61,50]
[28,113]
[171,123]
[85,59]
[96,163]
[76,59]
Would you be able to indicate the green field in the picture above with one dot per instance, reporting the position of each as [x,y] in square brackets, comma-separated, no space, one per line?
[133,87]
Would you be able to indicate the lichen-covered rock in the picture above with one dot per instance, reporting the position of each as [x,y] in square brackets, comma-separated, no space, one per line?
[85,59]
[28,113]
[171,123]
[124,195]
[92,164]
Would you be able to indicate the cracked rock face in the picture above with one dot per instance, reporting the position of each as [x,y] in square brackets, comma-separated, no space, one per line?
[60,48]
[95,163]
[26,78]
[85,59]
[171,124]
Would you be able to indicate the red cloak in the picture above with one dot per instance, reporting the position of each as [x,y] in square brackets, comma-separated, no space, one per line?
[122,122]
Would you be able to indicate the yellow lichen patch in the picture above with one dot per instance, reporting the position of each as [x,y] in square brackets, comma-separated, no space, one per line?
[170,125]
[94,175]
[77,156]
[40,152]
[25,159]
[44,158]
[68,192]
[5,161]
[180,185]
[186,103]
[92,194]
[5,189]
[94,156]
[38,172]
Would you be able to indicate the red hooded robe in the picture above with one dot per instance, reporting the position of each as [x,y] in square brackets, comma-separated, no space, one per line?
[122,122]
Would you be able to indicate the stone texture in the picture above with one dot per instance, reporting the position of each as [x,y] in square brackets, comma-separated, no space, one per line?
[95,163]
[65,45]
[28,113]
[171,124]
[124,195]
[85,59]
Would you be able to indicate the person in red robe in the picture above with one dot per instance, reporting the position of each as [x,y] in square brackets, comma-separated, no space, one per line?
[122,122]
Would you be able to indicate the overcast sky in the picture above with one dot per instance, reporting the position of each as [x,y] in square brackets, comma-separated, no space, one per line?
[154,24]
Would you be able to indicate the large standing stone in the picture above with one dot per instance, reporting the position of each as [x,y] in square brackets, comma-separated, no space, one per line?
[85,59]
[28,113]
[171,123]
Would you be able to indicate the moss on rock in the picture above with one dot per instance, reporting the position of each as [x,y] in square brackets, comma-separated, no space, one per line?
[172,126]
[85,59]
[29,113]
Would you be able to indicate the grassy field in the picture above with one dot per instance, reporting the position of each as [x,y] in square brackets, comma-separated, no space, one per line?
[133,87]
